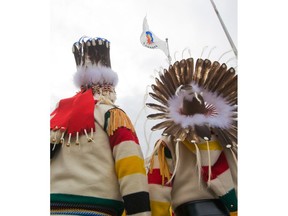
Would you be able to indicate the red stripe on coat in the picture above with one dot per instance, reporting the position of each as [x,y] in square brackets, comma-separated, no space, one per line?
[122,134]
[219,167]
[156,178]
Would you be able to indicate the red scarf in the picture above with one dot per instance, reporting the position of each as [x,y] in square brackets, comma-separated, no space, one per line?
[74,114]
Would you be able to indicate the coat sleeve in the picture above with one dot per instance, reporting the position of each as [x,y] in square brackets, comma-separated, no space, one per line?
[129,162]
[216,172]
[159,175]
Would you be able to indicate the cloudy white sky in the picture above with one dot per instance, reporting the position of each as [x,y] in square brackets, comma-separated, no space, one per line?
[188,25]
[33,80]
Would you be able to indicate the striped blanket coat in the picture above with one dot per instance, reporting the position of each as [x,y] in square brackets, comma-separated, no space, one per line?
[102,172]
[189,182]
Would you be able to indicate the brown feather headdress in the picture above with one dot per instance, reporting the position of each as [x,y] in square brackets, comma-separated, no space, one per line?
[196,100]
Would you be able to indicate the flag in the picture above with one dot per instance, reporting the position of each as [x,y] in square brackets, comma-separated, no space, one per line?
[150,40]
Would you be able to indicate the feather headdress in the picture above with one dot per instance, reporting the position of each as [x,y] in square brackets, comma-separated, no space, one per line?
[195,101]
[92,57]
[74,116]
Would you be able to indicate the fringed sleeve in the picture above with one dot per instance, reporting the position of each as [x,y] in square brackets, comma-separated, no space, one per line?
[129,162]
[158,176]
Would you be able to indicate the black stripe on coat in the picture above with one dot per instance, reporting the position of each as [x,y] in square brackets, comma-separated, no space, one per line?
[136,202]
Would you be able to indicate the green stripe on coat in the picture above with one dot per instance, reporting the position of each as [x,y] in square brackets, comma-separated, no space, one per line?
[230,200]
[76,199]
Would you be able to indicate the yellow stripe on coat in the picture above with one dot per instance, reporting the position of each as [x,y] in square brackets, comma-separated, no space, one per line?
[160,208]
[213,145]
[130,165]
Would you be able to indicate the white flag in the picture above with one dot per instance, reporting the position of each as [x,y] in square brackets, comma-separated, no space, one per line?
[150,40]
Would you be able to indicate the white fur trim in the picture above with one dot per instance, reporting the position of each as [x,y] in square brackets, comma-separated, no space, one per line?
[96,74]
[223,119]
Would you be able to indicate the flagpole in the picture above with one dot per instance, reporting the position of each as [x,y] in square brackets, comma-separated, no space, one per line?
[225,30]
[169,57]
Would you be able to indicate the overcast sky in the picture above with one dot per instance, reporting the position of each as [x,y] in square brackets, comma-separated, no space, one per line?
[36,40]
[188,24]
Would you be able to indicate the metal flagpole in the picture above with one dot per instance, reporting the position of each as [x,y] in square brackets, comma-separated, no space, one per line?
[225,30]
[169,57]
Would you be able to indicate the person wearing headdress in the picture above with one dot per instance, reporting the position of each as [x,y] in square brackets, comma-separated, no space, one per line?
[193,167]
[97,166]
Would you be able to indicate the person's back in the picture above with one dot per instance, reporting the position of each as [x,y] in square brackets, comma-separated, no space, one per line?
[193,165]
[97,166]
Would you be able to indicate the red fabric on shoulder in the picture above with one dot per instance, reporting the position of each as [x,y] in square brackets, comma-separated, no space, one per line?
[74,114]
